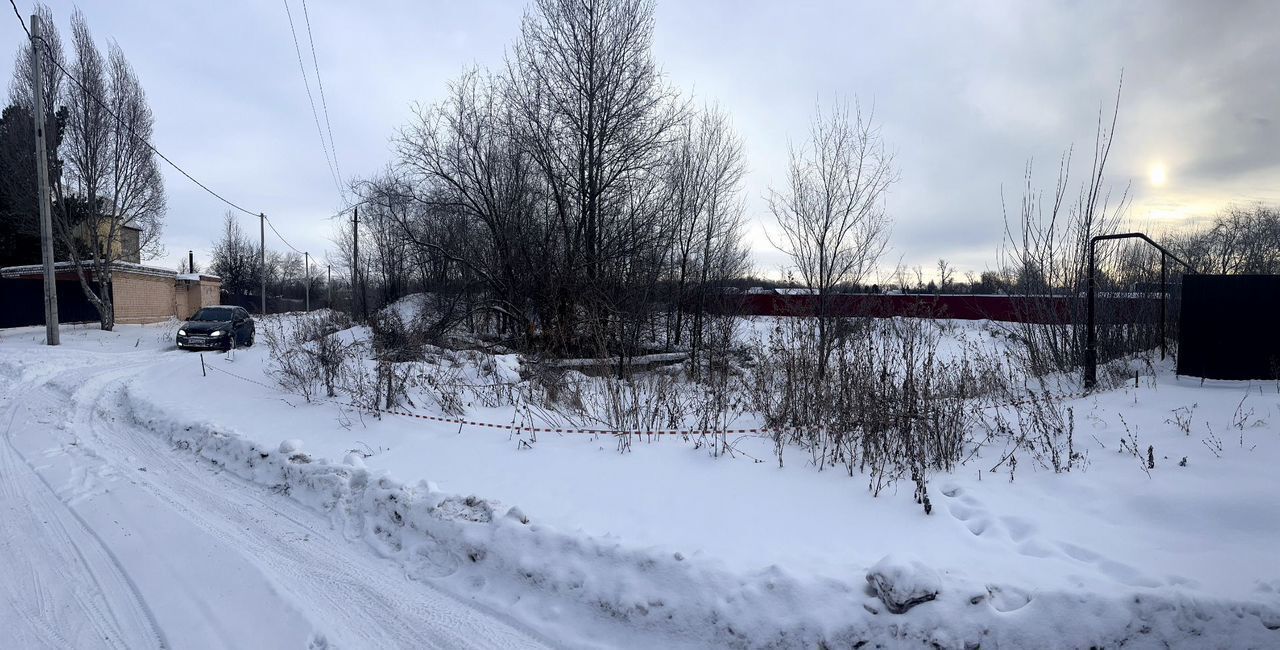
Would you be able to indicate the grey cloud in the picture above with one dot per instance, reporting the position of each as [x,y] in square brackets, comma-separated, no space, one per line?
[966,93]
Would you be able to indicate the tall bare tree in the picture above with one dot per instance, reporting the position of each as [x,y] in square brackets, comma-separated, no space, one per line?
[594,114]
[235,258]
[704,185]
[20,228]
[831,214]
[54,61]
[111,181]
[468,174]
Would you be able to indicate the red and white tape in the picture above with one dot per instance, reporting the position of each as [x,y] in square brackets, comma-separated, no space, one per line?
[513,427]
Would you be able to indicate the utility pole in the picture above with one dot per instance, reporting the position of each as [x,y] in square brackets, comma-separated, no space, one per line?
[306,265]
[328,282]
[262,251]
[51,335]
[355,259]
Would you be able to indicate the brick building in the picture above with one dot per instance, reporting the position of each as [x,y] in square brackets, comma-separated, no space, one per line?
[141,294]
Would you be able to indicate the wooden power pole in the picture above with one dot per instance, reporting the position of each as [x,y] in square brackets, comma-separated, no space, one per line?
[262,252]
[355,263]
[51,336]
[306,269]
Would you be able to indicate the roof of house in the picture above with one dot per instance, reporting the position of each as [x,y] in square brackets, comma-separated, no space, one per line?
[141,269]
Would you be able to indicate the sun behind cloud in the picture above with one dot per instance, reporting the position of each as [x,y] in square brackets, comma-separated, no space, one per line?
[1158,174]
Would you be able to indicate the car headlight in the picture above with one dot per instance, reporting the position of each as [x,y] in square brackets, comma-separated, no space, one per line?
[182,332]
[216,333]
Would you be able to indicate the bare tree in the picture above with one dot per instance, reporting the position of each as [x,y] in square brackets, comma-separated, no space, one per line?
[136,197]
[703,184]
[1045,253]
[831,214]
[20,228]
[471,176]
[1240,240]
[946,275]
[112,184]
[594,115]
[53,78]
[235,258]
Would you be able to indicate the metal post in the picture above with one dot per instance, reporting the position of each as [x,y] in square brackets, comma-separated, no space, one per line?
[1091,344]
[262,251]
[51,334]
[306,265]
[1091,337]
[1164,287]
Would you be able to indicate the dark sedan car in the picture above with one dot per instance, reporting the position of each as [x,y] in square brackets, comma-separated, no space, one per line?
[216,328]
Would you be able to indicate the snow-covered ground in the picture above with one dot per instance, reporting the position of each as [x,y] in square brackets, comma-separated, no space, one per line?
[114,538]
[198,510]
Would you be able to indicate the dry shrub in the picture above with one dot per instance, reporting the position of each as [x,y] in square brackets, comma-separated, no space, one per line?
[1041,427]
[307,351]
[888,406]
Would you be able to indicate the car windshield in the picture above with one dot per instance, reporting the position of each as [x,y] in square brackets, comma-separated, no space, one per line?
[213,314]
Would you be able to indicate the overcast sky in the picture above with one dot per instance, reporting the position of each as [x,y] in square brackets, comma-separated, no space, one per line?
[966,93]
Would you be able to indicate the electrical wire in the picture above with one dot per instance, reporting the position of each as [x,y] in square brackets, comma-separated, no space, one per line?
[20,20]
[324,103]
[306,83]
[286,242]
[103,104]
[347,209]
[125,124]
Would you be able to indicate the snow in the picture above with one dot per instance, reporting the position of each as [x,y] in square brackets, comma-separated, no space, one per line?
[410,307]
[113,538]
[902,583]
[669,546]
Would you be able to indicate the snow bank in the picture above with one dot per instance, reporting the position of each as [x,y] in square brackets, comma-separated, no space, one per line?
[593,591]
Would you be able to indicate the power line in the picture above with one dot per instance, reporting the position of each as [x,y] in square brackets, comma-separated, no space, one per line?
[277,232]
[306,83]
[107,108]
[324,104]
[144,141]
[347,209]
[20,20]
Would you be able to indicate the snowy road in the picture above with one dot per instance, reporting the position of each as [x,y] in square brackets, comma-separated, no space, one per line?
[112,539]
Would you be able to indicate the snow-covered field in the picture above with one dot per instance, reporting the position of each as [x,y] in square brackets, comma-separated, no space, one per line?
[198,510]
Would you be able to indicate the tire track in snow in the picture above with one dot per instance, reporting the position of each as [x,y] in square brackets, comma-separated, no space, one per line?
[75,593]
[358,599]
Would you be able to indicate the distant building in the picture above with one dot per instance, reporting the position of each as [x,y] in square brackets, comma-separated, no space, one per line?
[124,247]
[141,294]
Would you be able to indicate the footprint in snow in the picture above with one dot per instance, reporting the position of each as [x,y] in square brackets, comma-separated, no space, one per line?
[1018,527]
[1118,571]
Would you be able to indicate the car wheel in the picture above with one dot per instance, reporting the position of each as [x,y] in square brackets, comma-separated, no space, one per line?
[249,343]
